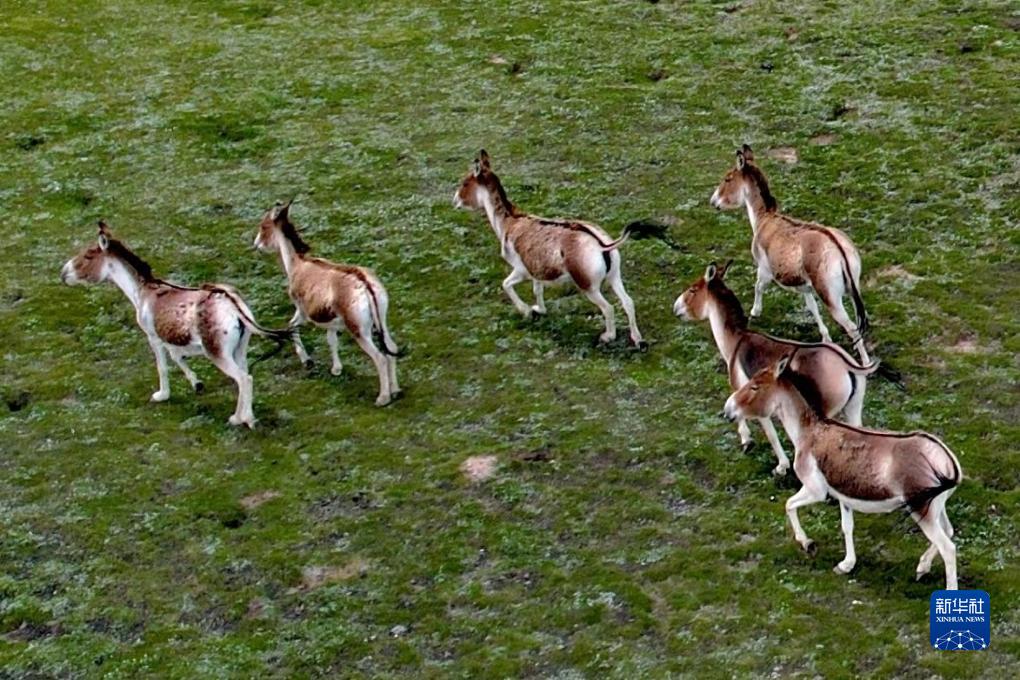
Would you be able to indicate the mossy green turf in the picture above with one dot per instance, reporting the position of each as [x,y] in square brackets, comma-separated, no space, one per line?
[624,532]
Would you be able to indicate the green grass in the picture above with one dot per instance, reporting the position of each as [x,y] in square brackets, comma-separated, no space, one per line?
[642,542]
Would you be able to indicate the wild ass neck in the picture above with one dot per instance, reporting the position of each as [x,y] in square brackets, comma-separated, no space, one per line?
[496,212]
[288,254]
[795,414]
[127,280]
[755,204]
[725,333]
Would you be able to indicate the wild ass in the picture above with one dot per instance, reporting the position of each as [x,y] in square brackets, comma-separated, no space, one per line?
[837,382]
[334,297]
[865,470]
[212,320]
[802,256]
[547,251]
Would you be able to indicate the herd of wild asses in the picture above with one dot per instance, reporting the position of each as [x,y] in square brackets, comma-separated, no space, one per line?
[804,385]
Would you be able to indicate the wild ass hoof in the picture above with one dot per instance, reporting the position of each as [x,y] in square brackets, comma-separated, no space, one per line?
[811,548]
[237,421]
[606,338]
[780,470]
[642,345]
[399,394]
[842,568]
[308,363]
[199,387]
[336,370]
[160,396]
[745,447]
[384,400]
[920,575]
[537,311]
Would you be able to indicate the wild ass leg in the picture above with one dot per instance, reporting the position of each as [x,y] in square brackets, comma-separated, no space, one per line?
[395,390]
[595,295]
[163,393]
[812,491]
[924,565]
[299,346]
[334,353]
[931,525]
[855,406]
[538,288]
[178,358]
[836,309]
[770,433]
[745,435]
[847,522]
[243,414]
[616,283]
[764,279]
[516,276]
[812,305]
[364,341]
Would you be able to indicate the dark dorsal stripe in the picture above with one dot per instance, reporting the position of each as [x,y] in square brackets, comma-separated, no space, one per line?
[121,252]
[754,173]
[730,305]
[290,232]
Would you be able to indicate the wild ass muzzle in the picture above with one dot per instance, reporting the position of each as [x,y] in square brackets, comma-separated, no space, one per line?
[865,470]
[802,256]
[832,379]
[547,251]
[212,320]
[334,297]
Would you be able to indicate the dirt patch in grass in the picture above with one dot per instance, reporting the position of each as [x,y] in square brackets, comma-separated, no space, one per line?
[313,577]
[254,500]
[479,468]
[783,154]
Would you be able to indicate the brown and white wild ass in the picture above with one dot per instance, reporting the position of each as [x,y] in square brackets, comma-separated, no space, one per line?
[865,470]
[547,251]
[803,256]
[334,297]
[836,381]
[212,320]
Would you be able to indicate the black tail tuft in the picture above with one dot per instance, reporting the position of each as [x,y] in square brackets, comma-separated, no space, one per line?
[920,501]
[380,342]
[642,229]
[892,375]
[280,337]
[862,315]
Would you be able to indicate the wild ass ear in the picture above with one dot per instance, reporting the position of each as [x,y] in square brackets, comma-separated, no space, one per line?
[710,272]
[741,161]
[748,154]
[782,365]
[281,212]
[484,162]
[724,269]
[104,234]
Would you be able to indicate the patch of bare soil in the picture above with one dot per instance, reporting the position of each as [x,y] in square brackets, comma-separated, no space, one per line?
[479,468]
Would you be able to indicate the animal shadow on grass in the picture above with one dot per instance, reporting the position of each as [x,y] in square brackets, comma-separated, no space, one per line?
[576,330]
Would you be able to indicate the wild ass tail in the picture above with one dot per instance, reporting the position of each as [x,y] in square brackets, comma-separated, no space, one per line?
[279,336]
[381,331]
[948,477]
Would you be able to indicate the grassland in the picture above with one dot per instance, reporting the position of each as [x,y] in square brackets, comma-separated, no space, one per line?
[623,534]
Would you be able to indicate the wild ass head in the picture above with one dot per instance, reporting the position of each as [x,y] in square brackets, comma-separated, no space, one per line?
[276,226]
[760,396]
[96,263]
[692,304]
[742,179]
[481,187]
